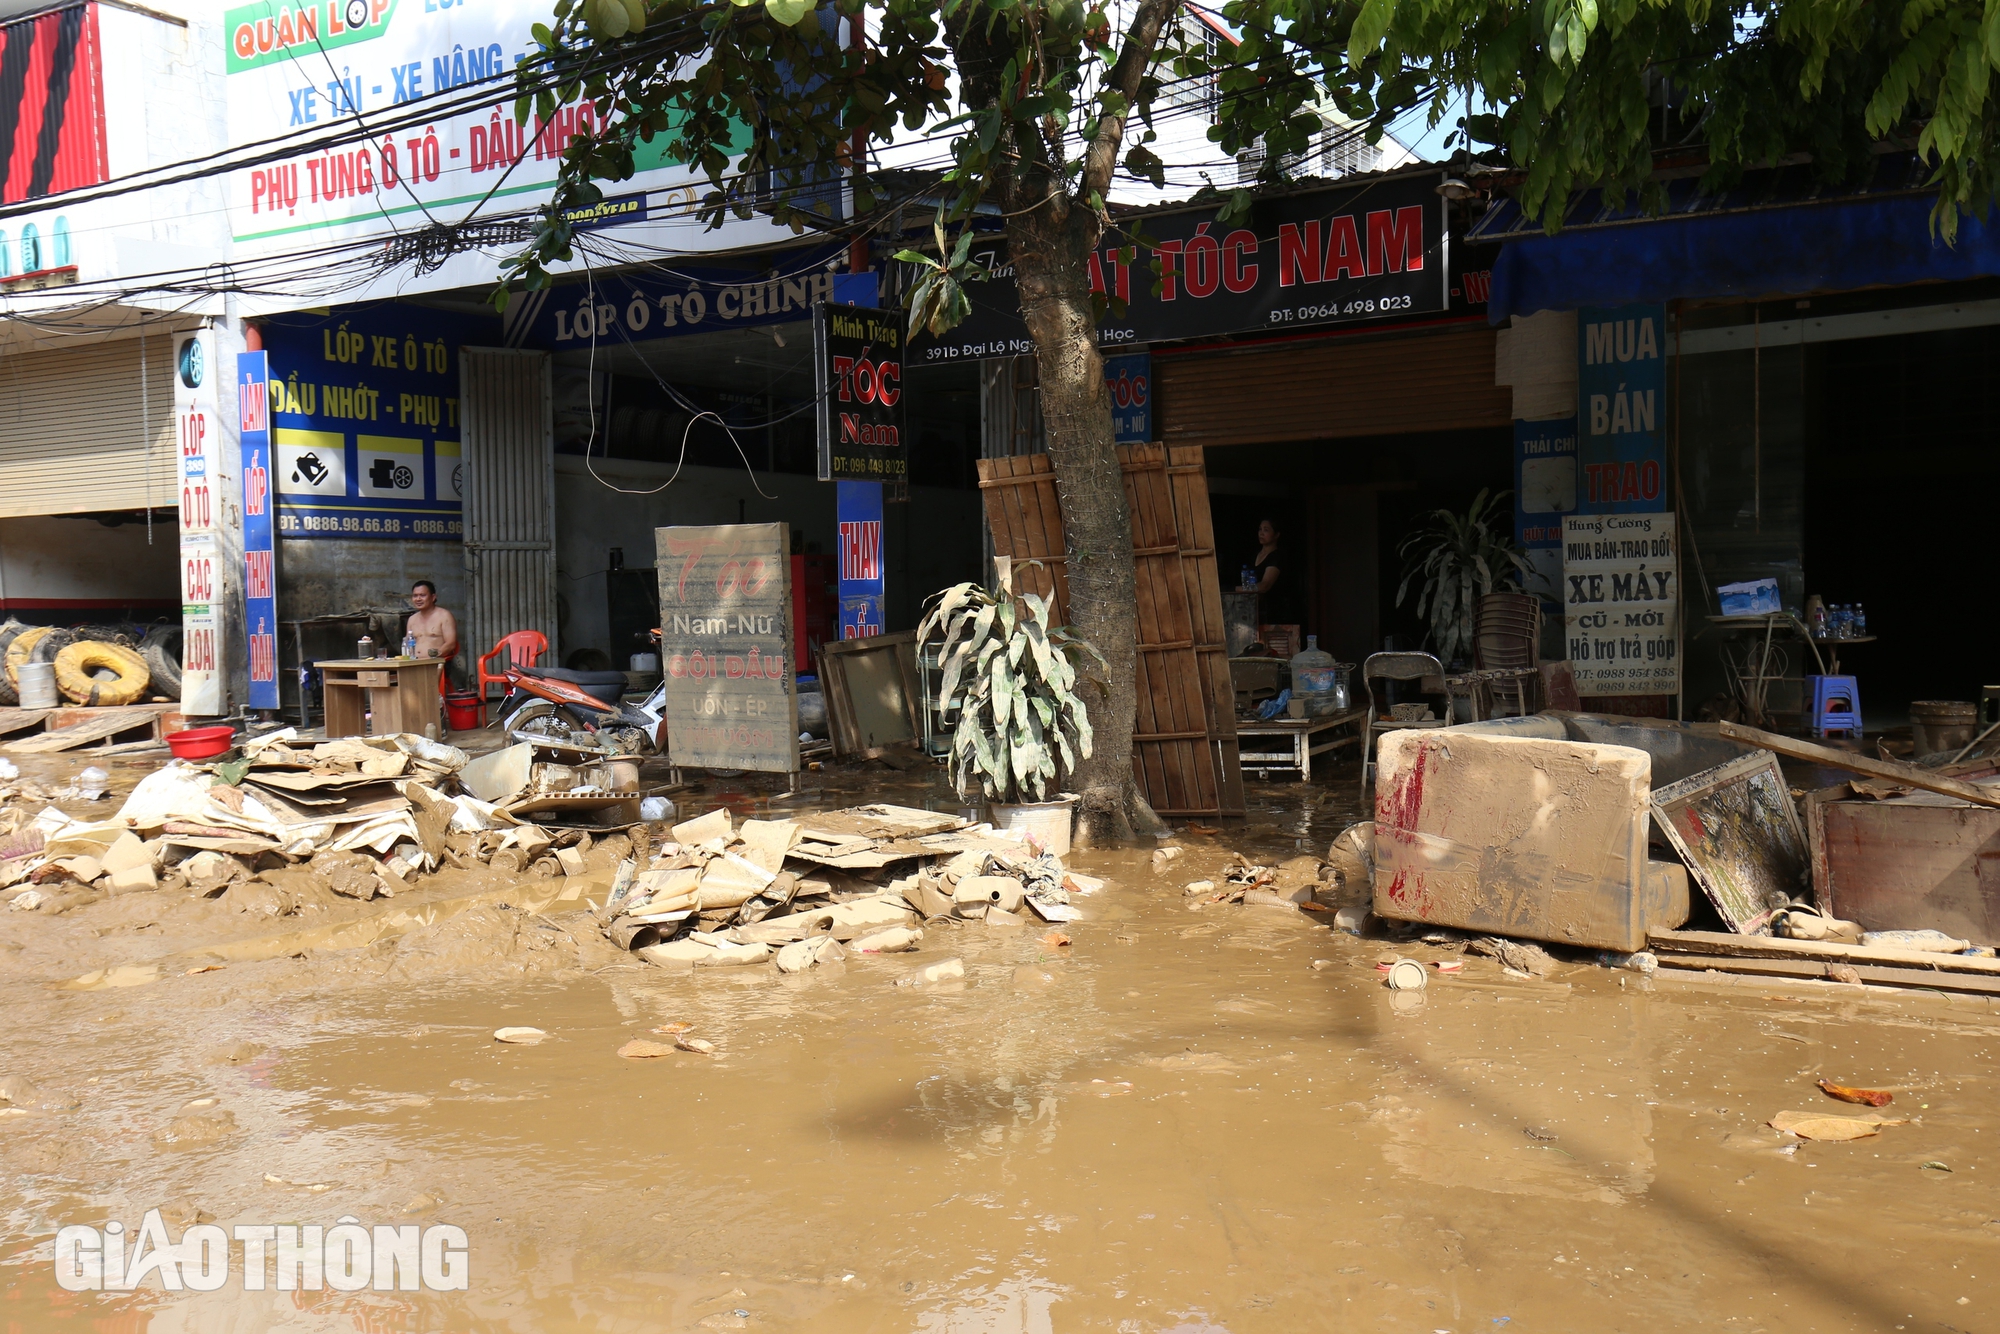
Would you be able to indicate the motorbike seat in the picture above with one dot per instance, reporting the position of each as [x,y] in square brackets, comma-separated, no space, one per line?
[576,678]
[605,686]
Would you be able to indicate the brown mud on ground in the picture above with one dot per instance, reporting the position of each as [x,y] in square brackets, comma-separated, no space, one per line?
[1175,1123]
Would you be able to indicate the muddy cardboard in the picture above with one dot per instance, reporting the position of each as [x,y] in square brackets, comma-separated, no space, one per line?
[1518,835]
[725,642]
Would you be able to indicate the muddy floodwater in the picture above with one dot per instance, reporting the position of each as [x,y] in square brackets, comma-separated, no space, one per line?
[1187,1119]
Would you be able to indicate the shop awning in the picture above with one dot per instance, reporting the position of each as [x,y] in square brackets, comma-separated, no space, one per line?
[1759,241]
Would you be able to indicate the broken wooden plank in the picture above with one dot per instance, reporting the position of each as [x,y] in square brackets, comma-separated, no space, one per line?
[1879,974]
[1723,944]
[20,720]
[97,729]
[1909,775]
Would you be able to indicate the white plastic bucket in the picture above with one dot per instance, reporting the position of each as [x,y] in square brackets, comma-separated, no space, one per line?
[645,662]
[38,685]
[1046,823]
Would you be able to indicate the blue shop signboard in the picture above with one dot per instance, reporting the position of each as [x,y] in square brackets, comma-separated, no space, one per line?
[1621,393]
[364,418]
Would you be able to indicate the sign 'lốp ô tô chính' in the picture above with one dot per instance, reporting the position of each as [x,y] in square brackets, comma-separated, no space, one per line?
[726,646]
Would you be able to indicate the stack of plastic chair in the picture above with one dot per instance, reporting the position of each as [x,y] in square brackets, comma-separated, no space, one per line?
[1833,704]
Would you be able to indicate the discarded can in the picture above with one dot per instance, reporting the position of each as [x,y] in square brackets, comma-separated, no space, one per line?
[1406,975]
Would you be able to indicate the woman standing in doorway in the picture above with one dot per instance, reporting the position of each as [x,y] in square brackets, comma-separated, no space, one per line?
[1277,590]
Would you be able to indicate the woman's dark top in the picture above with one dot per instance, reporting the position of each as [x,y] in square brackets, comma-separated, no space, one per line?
[1280,605]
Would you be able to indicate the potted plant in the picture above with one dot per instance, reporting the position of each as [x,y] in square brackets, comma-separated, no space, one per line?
[1022,725]
[1456,560]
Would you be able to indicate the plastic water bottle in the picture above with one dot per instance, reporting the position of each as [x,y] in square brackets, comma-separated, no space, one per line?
[1312,670]
[1860,620]
[1843,619]
[1248,578]
[409,646]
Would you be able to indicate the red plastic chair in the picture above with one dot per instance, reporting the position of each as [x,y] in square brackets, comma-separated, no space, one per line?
[523,648]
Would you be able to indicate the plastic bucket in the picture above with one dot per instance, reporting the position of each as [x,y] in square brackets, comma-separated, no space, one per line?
[1046,823]
[465,711]
[38,685]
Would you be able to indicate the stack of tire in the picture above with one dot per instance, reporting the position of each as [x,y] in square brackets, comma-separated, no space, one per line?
[96,665]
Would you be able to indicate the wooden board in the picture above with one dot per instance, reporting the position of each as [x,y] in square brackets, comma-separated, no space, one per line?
[110,724]
[20,720]
[1025,516]
[1737,830]
[1908,864]
[1907,775]
[1170,731]
[1187,471]
[1876,974]
[1723,943]
[872,694]
[1184,752]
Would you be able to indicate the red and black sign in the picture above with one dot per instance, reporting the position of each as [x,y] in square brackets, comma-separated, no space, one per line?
[858,353]
[1374,250]
[51,104]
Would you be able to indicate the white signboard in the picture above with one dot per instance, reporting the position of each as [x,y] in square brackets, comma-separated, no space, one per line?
[311,68]
[726,646]
[1621,603]
[200,436]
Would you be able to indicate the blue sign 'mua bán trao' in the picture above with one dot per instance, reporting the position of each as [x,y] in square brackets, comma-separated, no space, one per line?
[260,582]
[859,510]
[1621,394]
[364,418]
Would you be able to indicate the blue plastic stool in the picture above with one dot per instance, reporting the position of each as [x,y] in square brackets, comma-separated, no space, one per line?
[1833,704]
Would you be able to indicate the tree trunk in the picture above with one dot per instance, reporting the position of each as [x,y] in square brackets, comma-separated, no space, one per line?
[1051,266]
[1051,235]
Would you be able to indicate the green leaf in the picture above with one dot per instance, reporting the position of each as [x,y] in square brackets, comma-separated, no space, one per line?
[788,12]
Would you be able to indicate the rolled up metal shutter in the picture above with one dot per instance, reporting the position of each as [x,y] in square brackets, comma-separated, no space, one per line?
[82,431]
[1392,384]
[510,496]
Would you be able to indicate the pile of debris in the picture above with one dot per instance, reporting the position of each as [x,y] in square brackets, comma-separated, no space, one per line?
[359,817]
[804,892]
[1526,828]
[1299,884]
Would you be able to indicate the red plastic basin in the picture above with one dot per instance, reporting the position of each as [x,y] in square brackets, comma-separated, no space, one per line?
[198,743]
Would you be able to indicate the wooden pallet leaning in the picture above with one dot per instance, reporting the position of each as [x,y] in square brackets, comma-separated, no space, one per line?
[1184,752]
[1170,739]
[1026,518]
[1187,469]
[71,728]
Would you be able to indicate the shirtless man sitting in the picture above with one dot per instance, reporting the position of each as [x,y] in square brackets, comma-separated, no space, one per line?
[434,628]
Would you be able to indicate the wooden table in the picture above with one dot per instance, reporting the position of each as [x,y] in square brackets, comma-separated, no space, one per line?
[402,693]
[1298,740]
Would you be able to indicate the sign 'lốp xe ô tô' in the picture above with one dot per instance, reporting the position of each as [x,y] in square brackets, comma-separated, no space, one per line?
[726,645]
[858,357]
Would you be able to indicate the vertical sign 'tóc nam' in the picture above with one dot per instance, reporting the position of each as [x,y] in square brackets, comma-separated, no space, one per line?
[858,360]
